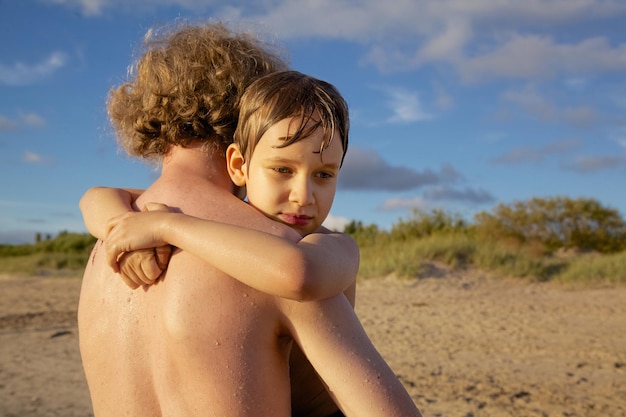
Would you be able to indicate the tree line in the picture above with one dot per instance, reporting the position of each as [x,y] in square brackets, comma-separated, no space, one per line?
[547,224]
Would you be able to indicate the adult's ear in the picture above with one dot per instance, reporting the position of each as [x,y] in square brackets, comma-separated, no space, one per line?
[236,165]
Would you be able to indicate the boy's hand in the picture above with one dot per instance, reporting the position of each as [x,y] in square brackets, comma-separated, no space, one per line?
[144,266]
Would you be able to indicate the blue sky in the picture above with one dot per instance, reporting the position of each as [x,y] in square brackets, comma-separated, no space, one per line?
[455,104]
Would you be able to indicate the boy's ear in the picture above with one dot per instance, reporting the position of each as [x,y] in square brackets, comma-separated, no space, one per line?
[236,165]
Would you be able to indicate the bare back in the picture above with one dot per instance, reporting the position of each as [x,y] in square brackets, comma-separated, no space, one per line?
[198,342]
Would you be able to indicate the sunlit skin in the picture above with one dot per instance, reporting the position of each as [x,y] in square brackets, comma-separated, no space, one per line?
[294,185]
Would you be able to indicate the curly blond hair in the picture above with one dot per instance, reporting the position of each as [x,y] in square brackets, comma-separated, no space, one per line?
[186,87]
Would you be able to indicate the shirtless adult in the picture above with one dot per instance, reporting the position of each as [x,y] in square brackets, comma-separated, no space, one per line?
[213,346]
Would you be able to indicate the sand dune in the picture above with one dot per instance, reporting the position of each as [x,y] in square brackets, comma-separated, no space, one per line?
[464,344]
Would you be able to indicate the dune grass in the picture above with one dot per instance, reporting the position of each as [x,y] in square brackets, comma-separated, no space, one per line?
[594,268]
[382,254]
[65,255]
[407,259]
[44,264]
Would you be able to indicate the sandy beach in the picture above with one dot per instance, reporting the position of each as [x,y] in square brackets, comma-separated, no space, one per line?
[463,343]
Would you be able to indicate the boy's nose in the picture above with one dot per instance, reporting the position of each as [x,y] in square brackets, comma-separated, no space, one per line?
[302,192]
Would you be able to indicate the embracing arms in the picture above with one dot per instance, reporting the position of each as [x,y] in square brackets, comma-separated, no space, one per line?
[320,265]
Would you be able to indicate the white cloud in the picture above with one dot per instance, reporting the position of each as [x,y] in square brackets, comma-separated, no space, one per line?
[597,163]
[36,158]
[469,195]
[26,119]
[539,57]
[405,35]
[32,119]
[33,158]
[335,223]
[433,195]
[96,8]
[521,154]
[524,154]
[406,106]
[560,146]
[580,117]
[540,107]
[358,21]
[87,7]
[7,124]
[23,74]
[480,39]
[396,204]
[531,101]
[365,169]
[448,44]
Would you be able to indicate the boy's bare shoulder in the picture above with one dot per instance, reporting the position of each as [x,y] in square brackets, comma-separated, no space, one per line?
[325,234]
[326,231]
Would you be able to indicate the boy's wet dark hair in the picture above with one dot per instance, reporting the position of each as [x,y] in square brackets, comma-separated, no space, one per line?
[291,94]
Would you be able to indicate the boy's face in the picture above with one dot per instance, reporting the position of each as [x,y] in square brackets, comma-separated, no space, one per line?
[294,185]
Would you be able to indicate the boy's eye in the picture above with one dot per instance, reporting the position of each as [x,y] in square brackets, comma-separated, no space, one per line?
[325,175]
[282,170]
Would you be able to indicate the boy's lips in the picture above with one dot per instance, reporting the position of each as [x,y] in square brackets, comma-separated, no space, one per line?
[295,219]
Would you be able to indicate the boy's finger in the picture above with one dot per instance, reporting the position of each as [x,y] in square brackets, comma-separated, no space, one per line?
[126,270]
[129,282]
[129,263]
[113,255]
[140,266]
[162,255]
[151,206]
[150,270]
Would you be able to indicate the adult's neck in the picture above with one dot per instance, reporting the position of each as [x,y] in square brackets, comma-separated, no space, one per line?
[195,162]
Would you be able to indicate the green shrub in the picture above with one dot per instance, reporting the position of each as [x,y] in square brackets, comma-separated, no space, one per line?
[555,223]
[66,242]
[67,253]
[365,235]
[595,268]
[405,258]
[519,240]
[512,261]
[44,264]
[15,250]
[423,223]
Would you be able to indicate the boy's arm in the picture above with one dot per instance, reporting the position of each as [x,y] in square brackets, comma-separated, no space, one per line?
[99,204]
[332,266]
[355,374]
[319,266]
